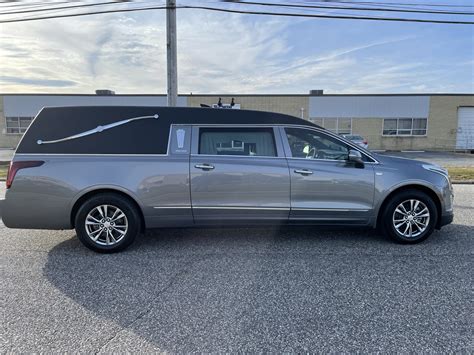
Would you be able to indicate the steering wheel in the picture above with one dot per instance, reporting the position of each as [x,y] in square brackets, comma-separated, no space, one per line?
[321,155]
[309,155]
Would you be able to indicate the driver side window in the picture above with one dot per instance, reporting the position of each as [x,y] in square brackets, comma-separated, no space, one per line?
[309,144]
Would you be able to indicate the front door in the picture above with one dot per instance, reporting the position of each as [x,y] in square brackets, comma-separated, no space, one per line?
[325,187]
[238,174]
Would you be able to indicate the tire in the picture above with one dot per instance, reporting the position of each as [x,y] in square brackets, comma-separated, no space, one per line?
[422,212]
[112,220]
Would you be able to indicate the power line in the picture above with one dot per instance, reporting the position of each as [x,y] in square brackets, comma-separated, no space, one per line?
[381,6]
[263,13]
[352,8]
[19,5]
[115,2]
[377,9]
[396,3]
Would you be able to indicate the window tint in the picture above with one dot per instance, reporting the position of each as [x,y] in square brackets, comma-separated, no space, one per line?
[237,141]
[309,144]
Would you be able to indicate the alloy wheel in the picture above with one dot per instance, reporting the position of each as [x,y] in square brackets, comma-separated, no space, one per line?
[106,225]
[411,218]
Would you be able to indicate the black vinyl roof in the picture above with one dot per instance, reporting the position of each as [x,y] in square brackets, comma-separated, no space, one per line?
[149,136]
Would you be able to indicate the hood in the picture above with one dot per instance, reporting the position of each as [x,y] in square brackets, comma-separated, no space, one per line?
[388,159]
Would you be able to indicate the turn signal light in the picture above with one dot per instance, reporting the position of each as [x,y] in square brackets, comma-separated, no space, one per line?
[18,165]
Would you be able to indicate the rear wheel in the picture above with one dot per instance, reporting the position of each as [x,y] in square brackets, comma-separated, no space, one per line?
[107,223]
[410,217]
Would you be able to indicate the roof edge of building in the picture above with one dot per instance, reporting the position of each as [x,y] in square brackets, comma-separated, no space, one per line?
[237,95]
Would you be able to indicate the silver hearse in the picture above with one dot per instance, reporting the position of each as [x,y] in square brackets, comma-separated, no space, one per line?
[111,172]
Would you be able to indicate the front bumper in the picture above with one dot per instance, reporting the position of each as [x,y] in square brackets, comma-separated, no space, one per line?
[445,219]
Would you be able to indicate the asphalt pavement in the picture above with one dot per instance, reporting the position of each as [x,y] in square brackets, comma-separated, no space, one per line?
[241,290]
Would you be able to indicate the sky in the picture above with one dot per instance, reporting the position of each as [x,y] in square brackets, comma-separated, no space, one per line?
[222,53]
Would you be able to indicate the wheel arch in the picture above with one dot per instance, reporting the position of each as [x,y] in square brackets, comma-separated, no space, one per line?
[423,188]
[85,195]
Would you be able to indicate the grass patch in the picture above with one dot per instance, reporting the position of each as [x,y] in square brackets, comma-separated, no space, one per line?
[461,174]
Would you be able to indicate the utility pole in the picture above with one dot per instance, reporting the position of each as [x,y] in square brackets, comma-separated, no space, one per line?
[171,53]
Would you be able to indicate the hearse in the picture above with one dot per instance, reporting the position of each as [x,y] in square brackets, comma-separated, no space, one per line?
[112,172]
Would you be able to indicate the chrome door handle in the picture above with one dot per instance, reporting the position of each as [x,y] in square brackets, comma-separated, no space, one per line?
[204,166]
[303,171]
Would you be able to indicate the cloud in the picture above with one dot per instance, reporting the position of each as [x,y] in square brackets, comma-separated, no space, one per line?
[37,82]
[94,55]
[227,53]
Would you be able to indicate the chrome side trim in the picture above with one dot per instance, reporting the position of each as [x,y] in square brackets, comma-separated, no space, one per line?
[91,155]
[171,207]
[328,209]
[237,156]
[262,208]
[242,208]
[98,129]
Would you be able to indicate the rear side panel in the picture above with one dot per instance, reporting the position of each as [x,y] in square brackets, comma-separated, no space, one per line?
[43,197]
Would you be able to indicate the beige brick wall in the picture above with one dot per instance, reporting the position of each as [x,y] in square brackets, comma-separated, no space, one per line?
[443,120]
[371,128]
[6,140]
[442,127]
[290,105]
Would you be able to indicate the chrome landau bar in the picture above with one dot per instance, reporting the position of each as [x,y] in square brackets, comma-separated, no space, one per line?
[98,129]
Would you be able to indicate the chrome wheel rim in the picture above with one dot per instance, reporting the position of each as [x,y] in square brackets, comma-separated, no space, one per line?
[106,225]
[411,218]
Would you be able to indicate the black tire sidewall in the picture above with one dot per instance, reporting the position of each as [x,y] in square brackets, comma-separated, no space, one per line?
[127,208]
[388,226]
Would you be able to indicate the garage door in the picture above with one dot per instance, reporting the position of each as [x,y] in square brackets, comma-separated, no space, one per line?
[465,136]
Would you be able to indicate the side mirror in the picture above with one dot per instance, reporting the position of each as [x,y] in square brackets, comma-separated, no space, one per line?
[356,157]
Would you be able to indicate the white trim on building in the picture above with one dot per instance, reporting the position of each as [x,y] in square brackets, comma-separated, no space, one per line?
[369,106]
[30,105]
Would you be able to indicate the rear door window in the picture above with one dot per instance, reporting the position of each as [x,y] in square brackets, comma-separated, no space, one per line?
[237,141]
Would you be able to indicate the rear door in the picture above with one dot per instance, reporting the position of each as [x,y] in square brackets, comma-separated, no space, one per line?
[238,174]
[325,187]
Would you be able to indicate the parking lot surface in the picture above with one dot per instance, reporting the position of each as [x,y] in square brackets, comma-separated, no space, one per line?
[246,290]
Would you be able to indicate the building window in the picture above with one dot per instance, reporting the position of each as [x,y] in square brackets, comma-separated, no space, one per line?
[18,125]
[336,125]
[344,126]
[404,126]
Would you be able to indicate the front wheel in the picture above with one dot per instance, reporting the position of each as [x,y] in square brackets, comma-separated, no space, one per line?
[410,217]
[107,223]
